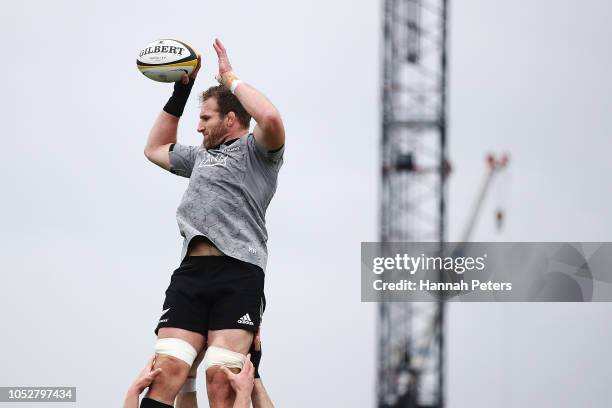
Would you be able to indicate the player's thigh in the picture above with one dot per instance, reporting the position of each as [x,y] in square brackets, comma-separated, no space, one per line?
[238,340]
[234,319]
[196,340]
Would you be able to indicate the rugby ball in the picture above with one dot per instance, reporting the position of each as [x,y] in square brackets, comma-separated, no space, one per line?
[166,60]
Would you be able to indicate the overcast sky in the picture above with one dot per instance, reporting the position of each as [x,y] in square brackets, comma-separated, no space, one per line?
[89,240]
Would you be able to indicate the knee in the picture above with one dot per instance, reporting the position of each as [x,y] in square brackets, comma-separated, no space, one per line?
[174,357]
[218,386]
[168,383]
[171,367]
[220,392]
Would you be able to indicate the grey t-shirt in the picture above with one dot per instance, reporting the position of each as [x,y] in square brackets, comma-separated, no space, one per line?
[229,191]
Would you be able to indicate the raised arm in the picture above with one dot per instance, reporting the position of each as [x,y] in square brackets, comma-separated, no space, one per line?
[162,135]
[269,131]
[164,130]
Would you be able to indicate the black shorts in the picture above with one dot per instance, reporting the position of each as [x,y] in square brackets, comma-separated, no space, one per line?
[214,293]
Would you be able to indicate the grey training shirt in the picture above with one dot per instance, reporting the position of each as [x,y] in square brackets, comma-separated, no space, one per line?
[229,191]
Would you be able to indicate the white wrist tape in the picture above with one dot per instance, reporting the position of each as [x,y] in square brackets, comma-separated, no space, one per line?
[190,385]
[235,84]
[229,79]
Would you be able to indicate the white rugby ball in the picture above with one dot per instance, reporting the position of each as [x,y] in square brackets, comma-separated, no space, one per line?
[166,60]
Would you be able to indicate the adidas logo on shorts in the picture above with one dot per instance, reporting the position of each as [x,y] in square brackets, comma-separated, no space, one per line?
[246,319]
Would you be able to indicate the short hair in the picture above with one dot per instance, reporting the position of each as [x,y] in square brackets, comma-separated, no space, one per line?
[227,102]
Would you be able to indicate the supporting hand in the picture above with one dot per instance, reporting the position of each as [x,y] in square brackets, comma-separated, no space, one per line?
[242,383]
[146,377]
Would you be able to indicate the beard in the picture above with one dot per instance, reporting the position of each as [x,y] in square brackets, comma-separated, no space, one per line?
[214,136]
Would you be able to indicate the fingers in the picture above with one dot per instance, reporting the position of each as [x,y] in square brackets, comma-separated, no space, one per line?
[153,374]
[227,372]
[149,368]
[191,77]
[197,68]
[217,49]
[220,49]
[224,64]
[248,367]
[145,380]
[219,45]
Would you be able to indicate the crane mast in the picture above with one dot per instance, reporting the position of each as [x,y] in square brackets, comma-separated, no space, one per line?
[412,201]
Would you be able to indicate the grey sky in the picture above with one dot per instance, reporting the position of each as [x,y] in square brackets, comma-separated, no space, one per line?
[89,239]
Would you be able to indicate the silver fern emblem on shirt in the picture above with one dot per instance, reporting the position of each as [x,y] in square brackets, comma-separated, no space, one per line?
[214,160]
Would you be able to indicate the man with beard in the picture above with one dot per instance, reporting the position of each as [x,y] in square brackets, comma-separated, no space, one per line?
[216,296]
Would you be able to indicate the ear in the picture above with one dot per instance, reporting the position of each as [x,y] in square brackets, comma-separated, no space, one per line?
[231,119]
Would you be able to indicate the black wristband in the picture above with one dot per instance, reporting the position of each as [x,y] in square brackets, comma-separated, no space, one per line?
[255,359]
[178,100]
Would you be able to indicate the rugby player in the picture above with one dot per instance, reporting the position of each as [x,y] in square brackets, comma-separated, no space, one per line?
[216,295]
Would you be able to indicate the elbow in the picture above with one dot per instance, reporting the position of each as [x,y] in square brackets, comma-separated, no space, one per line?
[272,122]
[272,116]
[148,153]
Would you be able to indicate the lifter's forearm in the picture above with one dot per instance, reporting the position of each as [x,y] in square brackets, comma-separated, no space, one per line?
[260,396]
[131,399]
[163,131]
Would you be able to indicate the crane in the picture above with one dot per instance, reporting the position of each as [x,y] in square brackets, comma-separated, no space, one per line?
[494,167]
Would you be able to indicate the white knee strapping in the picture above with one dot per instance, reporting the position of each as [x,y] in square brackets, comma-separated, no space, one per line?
[176,348]
[222,357]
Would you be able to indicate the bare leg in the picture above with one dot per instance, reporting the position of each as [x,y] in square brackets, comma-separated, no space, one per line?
[167,384]
[189,399]
[220,393]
